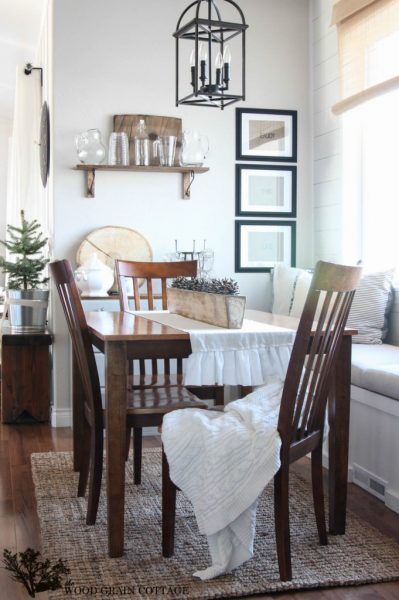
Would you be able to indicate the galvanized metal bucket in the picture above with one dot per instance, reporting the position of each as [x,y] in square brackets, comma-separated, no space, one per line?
[27,310]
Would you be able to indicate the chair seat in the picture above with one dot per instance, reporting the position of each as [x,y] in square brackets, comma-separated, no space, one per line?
[161,400]
[162,380]
[155,380]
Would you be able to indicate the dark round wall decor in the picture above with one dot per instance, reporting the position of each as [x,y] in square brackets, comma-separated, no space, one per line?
[44,143]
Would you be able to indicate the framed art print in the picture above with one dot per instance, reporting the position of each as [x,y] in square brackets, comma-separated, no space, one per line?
[259,245]
[265,191]
[268,135]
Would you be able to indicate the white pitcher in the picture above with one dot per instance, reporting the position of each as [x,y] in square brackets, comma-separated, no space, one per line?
[194,149]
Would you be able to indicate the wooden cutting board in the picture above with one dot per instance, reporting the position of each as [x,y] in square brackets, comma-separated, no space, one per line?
[113,242]
[155,125]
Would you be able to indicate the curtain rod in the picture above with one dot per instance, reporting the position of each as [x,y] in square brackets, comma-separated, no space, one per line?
[29,68]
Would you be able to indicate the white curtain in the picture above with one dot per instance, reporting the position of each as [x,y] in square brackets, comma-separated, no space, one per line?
[24,189]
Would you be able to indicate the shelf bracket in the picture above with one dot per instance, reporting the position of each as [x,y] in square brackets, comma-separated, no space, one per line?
[91,183]
[188,179]
[187,173]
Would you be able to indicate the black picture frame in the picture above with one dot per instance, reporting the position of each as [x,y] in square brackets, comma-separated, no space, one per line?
[285,254]
[281,193]
[264,139]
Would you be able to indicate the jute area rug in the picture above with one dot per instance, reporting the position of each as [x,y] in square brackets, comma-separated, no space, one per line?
[363,555]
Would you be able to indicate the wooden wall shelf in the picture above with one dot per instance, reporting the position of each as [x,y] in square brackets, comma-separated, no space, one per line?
[187,172]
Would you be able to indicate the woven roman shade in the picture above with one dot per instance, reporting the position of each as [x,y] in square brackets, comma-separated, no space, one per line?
[368,38]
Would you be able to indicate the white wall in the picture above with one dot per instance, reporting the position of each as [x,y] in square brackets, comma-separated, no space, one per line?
[118,57]
[5,134]
[327,182]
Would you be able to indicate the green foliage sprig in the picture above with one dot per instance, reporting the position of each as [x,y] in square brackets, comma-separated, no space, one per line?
[25,242]
[36,575]
[228,287]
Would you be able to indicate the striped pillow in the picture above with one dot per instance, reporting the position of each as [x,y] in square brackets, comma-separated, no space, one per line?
[368,312]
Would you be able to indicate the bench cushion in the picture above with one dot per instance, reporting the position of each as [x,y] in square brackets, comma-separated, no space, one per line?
[376,368]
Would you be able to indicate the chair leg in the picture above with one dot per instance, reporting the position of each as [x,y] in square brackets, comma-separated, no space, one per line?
[219,396]
[137,452]
[282,522]
[128,437]
[168,510]
[96,471]
[245,390]
[85,460]
[318,495]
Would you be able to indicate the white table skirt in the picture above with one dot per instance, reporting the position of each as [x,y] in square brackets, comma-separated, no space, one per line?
[247,356]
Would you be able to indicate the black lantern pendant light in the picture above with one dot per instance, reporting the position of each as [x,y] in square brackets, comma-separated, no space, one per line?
[209,66]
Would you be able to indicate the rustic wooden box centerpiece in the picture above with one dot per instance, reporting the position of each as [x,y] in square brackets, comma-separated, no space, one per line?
[213,301]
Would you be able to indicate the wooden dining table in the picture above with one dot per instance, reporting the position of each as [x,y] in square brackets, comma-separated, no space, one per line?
[123,336]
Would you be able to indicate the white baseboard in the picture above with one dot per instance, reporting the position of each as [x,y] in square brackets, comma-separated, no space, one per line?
[150,431]
[392,500]
[374,444]
[61,417]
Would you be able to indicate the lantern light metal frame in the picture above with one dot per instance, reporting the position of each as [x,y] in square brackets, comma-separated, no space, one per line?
[210,89]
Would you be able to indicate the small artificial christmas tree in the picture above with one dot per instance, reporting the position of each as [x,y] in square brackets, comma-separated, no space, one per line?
[26,242]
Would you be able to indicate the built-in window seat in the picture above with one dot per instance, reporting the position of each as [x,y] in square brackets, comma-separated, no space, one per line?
[374,422]
[374,431]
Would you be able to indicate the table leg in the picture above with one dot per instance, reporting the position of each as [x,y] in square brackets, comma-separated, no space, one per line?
[339,411]
[245,390]
[115,406]
[77,414]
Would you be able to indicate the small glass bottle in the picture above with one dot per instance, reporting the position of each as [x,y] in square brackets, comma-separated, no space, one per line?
[141,145]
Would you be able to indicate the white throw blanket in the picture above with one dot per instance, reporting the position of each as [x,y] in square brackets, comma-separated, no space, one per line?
[222,462]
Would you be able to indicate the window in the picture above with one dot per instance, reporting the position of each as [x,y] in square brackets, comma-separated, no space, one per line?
[371,182]
[368,36]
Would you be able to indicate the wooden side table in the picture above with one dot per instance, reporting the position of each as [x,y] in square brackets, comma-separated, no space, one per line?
[25,376]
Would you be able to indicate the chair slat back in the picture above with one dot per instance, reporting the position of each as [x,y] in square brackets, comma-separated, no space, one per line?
[313,357]
[70,300]
[149,272]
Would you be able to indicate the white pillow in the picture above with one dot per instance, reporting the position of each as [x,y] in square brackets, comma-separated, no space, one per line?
[284,279]
[301,289]
[369,307]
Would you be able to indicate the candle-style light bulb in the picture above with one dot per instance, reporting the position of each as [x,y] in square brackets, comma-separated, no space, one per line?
[219,60]
[219,66]
[227,55]
[203,52]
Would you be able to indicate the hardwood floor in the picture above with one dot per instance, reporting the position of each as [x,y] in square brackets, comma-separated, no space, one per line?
[19,524]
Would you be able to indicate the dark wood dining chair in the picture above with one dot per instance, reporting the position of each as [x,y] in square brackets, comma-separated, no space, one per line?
[144,407]
[149,273]
[307,385]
